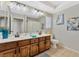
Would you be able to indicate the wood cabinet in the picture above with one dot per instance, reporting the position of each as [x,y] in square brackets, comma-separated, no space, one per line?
[35,40]
[47,44]
[25,48]
[8,49]
[8,53]
[41,46]
[41,39]
[24,51]
[6,46]
[23,43]
[34,47]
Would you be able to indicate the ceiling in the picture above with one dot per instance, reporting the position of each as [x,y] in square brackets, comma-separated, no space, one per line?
[20,9]
[53,4]
[50,6]
[44,7]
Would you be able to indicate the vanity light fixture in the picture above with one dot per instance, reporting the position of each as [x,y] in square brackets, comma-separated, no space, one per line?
[37,12]
[17,7]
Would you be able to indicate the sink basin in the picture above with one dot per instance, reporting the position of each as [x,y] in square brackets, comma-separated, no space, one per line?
[33,35]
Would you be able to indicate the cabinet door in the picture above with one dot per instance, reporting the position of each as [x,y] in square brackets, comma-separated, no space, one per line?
[8,53]
[34,49]
[41,46]
[48,44]
[24,51]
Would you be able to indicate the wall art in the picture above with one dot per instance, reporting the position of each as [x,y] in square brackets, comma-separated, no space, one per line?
[73,24]
[60,19]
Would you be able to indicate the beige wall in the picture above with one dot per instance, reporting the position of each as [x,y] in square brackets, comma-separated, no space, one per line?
[68,38]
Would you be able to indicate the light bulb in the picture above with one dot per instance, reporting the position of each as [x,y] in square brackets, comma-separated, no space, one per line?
[34,12]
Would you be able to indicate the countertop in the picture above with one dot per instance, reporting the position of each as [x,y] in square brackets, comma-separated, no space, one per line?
[11,39]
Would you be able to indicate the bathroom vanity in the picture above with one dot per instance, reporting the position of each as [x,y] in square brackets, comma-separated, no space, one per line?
[24,46]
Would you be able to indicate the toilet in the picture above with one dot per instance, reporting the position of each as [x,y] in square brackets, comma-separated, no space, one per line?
[55,42]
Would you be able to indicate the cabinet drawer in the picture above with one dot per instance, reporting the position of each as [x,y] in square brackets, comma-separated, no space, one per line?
[34,40]
[8,45]
[48,37]
[41,39]
[8,53]
[24,42]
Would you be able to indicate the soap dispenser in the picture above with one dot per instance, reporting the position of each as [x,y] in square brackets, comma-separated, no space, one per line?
[17,34]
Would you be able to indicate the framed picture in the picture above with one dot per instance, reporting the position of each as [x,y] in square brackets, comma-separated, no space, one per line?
[73,24]
[60,19]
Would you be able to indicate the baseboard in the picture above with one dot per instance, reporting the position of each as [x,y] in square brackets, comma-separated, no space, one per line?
[71,49]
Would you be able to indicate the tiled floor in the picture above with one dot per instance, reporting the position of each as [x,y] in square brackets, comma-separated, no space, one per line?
[62,52]
[59,52]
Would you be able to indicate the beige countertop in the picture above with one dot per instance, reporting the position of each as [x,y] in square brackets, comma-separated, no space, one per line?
[10,39]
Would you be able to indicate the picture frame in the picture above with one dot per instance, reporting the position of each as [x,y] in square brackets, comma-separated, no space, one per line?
[73,24]
[60,19]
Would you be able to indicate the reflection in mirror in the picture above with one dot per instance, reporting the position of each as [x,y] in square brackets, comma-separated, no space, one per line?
[3,22]
[41,24]
[34,20]
[46,23]
[34,25]
[17,25]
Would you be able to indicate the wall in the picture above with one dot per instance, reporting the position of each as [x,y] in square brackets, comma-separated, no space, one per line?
[68,38]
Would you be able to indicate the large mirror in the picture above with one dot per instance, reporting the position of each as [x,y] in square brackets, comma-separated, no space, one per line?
[29,21]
